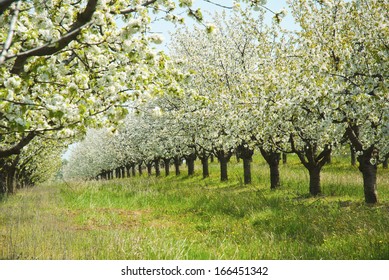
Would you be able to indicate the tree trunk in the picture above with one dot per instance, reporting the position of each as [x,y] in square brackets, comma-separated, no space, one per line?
[166,162]
[140,168]
[120,172]
[128,170]
[385,163]
[156,166]
[223,158]
[353,156]
[274,176]
[11,175]
[204,163]
[11,180]
[246,154]
[368,167]
[177,162]
[223,169]
[314,180]
[190,163]
[284,158]
[149,165]
[329,161]
[3,188]
[133,169]
[273,160]
[247,170]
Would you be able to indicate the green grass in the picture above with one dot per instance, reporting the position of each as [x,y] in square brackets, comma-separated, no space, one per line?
[193,218]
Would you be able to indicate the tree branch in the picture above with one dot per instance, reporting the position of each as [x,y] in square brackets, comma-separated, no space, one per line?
[83,19]
[131,10]
[4,5]
[352,136]
[19,146]
[217,4]
[10,35]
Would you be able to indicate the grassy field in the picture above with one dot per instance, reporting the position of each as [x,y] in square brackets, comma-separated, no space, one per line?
[192,218]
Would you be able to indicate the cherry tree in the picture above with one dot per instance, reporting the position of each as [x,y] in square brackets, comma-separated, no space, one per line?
[36,163]
[345,49]
[91,156]
[66,65]
[230,75]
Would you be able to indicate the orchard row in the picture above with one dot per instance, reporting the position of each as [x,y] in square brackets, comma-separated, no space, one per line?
[240,85]
[252,85]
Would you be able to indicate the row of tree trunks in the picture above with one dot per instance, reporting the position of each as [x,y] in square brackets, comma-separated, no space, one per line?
[13,176]
[310,158]
[130,169]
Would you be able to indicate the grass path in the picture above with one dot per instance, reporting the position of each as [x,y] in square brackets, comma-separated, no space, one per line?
[190,218]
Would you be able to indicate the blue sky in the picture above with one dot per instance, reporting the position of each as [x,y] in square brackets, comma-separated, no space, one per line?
[163,27]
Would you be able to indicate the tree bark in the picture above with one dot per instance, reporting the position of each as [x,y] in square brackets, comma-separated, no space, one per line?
[15,150]
[329,161]
[3,183]
[166,162]
[11,175]
[247,170]
[140,168]
[149,165]
[246,154]
[273,160]
[177,162]
[368,167]
[368,159]
[204,163]
[4,5]
[157,169]
[223,158]
[128,171]
[223,169]
[133,169]
[190,159]
[385,163]
[284,158]
[353,156]
[314,180]
[274,176]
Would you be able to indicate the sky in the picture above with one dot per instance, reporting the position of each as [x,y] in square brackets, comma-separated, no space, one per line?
[164,28]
